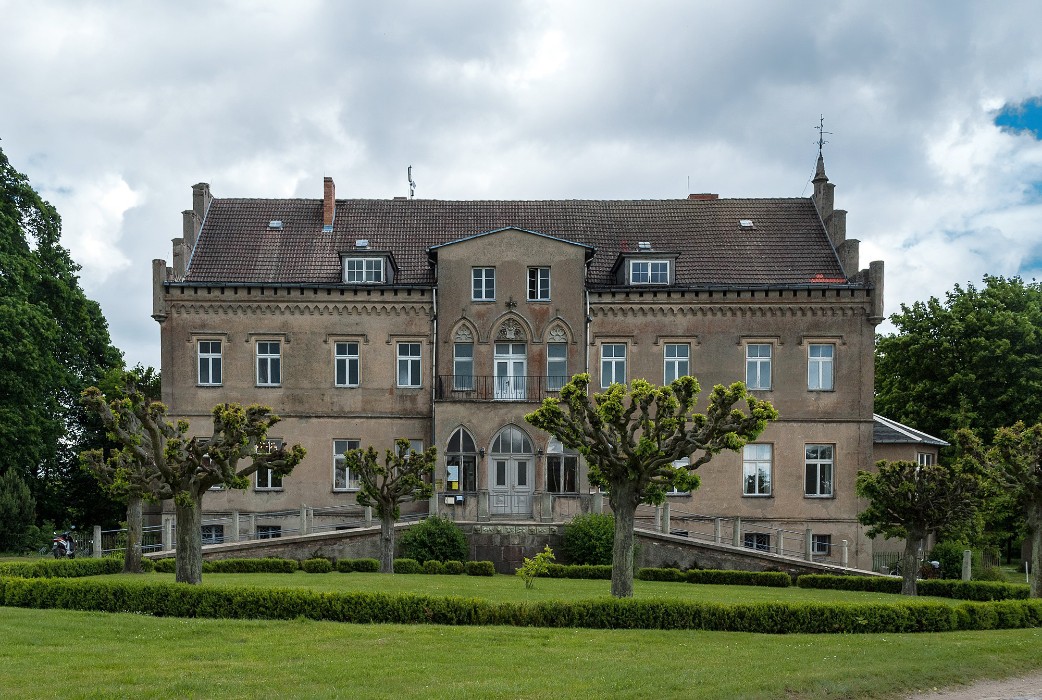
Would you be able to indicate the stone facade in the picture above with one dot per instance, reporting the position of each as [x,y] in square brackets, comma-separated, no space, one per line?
[358,334]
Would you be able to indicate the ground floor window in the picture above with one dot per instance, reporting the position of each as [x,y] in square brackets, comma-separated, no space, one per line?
[268,532]
[562,473]
[759,541]
[461,459]
[821,544]
[213,534]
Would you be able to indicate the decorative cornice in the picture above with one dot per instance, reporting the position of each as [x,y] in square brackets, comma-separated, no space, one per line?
[728,311]
[297,309]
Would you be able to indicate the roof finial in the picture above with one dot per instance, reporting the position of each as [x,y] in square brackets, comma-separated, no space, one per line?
[821,133]
[412,184]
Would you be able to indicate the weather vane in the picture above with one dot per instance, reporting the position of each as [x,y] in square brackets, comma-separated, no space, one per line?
[821,133]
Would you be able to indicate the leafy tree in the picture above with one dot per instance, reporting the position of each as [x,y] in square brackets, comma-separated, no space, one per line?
[400,479]
[972,361]
[190,466]
[17,512]
[54,342]
[910,500]
[631,438]
[437,539]
[1014,461]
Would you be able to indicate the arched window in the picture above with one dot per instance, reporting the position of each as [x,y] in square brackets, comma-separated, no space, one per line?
[511,441]
[562,468]
[461,462]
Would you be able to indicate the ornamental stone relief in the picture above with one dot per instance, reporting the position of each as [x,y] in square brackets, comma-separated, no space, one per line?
[557,335]
[463,335]
[510,330]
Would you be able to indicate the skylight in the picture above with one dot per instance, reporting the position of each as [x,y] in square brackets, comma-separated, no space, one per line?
[746,223]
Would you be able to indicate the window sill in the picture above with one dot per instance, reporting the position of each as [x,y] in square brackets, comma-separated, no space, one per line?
[347,490]
[268,386]
[820,391]
[346,386]
[816,497]
[411,386]
[757,495]
[209,386]
[267,488]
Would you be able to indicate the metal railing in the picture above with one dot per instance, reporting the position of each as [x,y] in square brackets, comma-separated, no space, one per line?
[531,388]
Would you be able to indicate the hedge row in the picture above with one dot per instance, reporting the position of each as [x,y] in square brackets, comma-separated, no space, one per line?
[942,588]
[166,599]
[586,571]
[62,568]
[321,565]
[770,579]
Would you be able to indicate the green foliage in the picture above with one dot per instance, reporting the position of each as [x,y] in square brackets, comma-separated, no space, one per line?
[433,567]
[17,513]
[167,565]
[269,565]
[434,538]
[770,579]
[403,477]
[173,600]
[61,568]
[317,565]
[666,574]
[480,568]
[359,565]
[536,566]
[578,571]
[454,567]
[949,555]
[588,539]
[406,565]
[941,588]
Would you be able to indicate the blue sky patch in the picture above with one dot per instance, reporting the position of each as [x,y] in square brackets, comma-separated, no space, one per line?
[1026,116]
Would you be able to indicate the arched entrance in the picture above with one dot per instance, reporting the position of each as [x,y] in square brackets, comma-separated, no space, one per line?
[511,476]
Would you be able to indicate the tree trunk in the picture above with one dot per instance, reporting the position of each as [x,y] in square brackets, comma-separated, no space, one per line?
[132,555]
[189,554]
[910,562]
[1035,530]
[625,508]
[386,543]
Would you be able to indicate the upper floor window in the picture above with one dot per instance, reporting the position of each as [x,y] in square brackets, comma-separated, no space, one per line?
[556,366]
[463,367]
[675,359]
[409,364]
[539,284]
[758,366]
[363,270]
[343,478]
[346,361]
[925,459]
[819,468]
[649,272]
[613,364]
[757,461]
[210,362]
[484,283]
[819,367]
[269,363]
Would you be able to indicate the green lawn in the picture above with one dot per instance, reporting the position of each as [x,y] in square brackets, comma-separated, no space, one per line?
[512,588]
[48,653]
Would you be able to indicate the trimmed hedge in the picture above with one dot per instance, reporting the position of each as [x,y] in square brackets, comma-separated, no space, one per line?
[454,567]
[62,568]
[585,571]
[167,599]
[653,574]
[317,565]
[433,567]
[360,565]
[407,566]
[942,588]
[271,565]
[480,568]
[770,579]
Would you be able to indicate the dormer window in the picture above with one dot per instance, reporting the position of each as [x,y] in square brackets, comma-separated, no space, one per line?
[364,270]
[649,272]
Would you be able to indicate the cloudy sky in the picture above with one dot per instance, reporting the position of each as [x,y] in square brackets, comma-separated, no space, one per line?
[114,109]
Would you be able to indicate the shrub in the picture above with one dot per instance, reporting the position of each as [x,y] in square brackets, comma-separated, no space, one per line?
[407,566]
[588,539]
[454,567]
[434,538]
[318,565]
[167,565]
[62,568]
[669,574]
[17,513]
[272,565]
[480,568]
[949,554]
[942,588]
[587,571]
[359,565]
[536,566]
[771,579]
[432,566]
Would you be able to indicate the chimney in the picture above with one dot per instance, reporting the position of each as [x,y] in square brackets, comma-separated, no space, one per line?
[328,203]
[703,196]
[875,277]
[848,252]
[159,276]
[201,199]
[836,225]
[189,228]
[179,259]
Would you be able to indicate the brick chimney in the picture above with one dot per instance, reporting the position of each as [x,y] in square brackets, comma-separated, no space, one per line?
[704,196]
[328,203]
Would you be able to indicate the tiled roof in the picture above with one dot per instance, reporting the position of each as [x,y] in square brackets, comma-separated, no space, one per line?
[885,430]
[786,246]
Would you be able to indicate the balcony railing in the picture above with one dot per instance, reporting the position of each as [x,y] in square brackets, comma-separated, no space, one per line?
[532,388]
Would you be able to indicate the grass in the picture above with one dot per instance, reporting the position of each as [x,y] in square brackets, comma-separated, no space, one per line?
[48,653]
[512,588]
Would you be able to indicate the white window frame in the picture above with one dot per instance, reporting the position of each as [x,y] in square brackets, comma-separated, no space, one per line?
[266,479]
[483,283]
[409,372]
[757,541]
[539,284]
[462,454]
[340,446]
[676,365]
[363,270]
[817,464]
[651,272]
[463,367]
[613,365]
[821,366]
[925,459]
[556,367]
[211,360]
[271,532]
[347,357]
[563,463]
[212,533]
[682,462]
[756,363]
[821,545]
[269,359]
[755,458]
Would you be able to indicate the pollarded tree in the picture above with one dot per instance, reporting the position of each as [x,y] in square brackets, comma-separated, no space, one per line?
[631,439]
[910,500]
[403,477]
[1014,461]
[190,466]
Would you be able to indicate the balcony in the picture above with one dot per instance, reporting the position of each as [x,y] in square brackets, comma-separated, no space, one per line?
[526,388]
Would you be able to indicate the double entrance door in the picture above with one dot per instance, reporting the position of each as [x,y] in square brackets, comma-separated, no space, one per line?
[511,485]
[511,361]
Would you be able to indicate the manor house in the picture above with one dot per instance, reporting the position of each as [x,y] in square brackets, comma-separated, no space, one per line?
[360,321]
